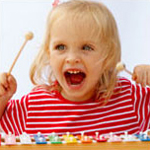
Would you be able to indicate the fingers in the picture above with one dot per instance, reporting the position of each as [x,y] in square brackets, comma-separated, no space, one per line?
[3,83]
[143,79]
[8,85]
[12,83]
[3,80]
[134,77]
[148,78]
[141,75]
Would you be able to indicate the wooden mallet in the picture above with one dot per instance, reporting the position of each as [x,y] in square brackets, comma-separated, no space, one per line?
[120,67]
[28,37]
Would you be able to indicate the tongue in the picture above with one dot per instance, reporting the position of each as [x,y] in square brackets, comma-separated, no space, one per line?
[76,78]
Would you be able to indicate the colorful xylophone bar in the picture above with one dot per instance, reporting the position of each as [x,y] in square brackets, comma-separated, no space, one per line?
[53,138]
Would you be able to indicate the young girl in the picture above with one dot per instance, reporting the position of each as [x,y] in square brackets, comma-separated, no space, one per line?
[77,85]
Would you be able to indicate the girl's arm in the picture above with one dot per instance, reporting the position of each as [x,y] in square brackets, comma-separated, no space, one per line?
[8,87]
[141,75]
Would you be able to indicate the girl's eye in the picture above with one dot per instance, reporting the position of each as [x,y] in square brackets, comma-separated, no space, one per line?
[87,47]
[60,47]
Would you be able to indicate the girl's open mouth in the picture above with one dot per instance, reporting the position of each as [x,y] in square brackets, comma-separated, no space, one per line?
[74,77]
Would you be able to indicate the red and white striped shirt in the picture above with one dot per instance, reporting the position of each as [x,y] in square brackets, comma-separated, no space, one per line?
[47,112]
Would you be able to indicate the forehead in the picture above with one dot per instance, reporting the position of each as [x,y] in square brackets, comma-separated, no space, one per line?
[75,26]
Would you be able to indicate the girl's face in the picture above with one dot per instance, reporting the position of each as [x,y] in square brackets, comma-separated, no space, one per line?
[75,58]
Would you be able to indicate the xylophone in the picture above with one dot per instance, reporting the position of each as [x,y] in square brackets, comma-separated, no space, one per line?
[53,138]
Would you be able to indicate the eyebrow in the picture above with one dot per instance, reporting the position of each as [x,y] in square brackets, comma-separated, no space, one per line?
[90,42]
[55,42]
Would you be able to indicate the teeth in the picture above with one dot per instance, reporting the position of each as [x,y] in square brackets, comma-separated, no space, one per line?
[73,72]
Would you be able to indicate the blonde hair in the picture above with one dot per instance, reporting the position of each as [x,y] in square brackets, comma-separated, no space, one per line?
[105,28]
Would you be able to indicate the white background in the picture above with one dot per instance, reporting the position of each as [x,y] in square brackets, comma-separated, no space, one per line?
[17,17]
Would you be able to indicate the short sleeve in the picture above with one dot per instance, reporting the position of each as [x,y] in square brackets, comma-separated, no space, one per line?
[141,102]
[14,117]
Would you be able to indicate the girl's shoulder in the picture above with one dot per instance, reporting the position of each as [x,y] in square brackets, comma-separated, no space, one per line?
[43,87]
[123,81]
[123,84]
[43,90]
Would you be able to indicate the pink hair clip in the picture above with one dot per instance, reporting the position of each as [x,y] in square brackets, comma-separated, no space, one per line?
[55,3]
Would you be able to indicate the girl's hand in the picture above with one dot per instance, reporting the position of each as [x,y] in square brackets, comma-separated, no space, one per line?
[141,75]
[8,86]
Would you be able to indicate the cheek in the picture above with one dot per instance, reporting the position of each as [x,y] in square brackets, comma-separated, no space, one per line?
[96,72]
[56,66]
[53,60]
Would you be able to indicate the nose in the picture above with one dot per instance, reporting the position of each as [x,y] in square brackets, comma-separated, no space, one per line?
[73,58]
